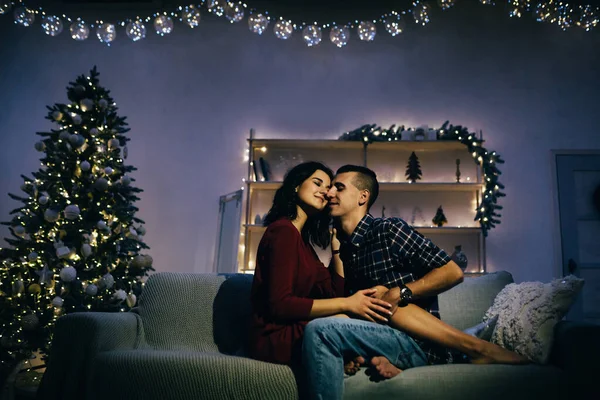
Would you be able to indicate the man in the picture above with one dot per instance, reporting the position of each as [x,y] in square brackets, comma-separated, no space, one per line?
[405,267]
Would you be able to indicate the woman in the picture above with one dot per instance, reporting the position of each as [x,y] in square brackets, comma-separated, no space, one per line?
[291,286]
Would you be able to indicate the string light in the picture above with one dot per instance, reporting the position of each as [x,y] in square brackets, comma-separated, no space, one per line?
[560,13]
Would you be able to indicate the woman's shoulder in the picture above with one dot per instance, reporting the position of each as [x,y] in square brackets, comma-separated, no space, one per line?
[282,226]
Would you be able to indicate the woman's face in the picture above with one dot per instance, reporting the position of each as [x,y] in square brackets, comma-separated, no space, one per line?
[313,191]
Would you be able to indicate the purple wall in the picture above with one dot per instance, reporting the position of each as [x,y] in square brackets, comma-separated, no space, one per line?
[192,97]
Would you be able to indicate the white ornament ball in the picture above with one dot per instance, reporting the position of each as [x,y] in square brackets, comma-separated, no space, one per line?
[101,184]
[68,274]
[258,23]
[339,35]
[394,25]
[101,225]
[24,16]
[51,215]
[312,35]
[113,143]
[58,302]
[106,33]
[119,295]
[103,103]
[85,166]
[234,12]
[191,16]
[131,300]
[163,25]
[108,170]
[40,146]
[125,180]
[283,29]
[72,211]
[19,230]
[43,200]
[52,25]
[79,30]
[107,281]
[86,105]
[91,289]
[57,115]
[76,119]
[367,31]
[86,250]
[135,30]
[30,322]
[32,256]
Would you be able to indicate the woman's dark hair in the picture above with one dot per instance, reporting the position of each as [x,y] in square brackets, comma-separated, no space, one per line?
[316,228]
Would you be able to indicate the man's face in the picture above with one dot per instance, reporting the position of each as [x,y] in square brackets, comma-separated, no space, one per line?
[343,196]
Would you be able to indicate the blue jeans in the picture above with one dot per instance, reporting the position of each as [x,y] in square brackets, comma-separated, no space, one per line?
[328,340]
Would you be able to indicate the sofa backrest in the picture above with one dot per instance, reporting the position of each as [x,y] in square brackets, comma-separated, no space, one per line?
[464,305]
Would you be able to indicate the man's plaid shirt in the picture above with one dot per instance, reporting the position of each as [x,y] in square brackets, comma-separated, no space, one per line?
[390,252]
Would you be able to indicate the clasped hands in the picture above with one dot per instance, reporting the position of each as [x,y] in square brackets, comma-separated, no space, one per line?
[376,304]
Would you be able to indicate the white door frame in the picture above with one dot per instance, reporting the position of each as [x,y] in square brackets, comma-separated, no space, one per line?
[558,256]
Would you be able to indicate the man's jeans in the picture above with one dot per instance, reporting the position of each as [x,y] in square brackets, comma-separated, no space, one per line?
[328,340]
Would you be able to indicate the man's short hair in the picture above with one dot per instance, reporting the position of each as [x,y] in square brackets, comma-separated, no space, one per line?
[365,179]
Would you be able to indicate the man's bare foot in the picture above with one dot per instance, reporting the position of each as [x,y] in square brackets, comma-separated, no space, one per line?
[353,366]
[490,353]
[384,367]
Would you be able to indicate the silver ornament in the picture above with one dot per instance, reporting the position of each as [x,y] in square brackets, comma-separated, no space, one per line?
[421,14]
[258,23]
[76,140]
[51,215]
[101,184]
[19,230]
[86,250]
[57,115]
[191,16]
[63,252]
[24,16]
[91,289]
[103,103]
[107,281]
[86,105]
[106,33]
[72,212]
[216,7]
[58,302]
[234,12]
[79,30]
[163,25]
[68,274]
[85,166]
[312,35]
[43,200]
[32,256]
[113,143]
[30,322]
[40,146]
[339,35]
[108,170]
[64,135]
[283,29]
[135,30]
[119,295]
[76,119]
[366,31]
[125,180]
[131,300]
[101,225]
[52,25]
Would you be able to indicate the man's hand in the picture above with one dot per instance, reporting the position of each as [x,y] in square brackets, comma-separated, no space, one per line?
[380,291]
[363,305]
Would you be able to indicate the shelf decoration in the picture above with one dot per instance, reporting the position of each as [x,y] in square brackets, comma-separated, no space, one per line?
[458,170]
[486,212]
[413,169]
[439,219]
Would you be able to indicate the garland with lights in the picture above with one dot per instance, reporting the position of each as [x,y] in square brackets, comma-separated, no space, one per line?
[75,240]
[551,11]
[486,212]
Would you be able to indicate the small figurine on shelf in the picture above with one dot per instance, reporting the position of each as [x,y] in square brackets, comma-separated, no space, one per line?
[459,257]
[439,219]
[383,212]
[458,170]
[413,169]
[258,220]
[417,216]
[419,134]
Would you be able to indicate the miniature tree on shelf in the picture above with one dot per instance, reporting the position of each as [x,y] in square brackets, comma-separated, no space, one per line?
[413,169]
[75,242]
[439,219]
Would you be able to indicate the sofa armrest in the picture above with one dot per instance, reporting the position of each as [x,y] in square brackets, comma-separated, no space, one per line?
[78,338]
[576,350]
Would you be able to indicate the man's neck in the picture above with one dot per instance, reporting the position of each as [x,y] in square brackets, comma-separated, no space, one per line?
[349,222]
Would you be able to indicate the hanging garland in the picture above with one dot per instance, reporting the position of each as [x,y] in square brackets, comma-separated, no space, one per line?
[486,212]
[551,11]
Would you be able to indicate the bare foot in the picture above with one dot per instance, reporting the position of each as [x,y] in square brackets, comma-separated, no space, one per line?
[490,353]
[384,367]
[353,366]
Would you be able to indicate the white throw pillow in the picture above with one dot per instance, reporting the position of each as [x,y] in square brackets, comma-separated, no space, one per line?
[527,313]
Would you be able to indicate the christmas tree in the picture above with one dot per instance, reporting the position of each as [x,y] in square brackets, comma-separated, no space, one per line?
[439,219]
[75,242]
[413,169]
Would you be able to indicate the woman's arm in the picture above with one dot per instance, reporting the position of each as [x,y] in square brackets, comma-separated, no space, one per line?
[360,304]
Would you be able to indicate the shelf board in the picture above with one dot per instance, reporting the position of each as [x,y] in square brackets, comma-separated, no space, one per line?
[395,186]
[412,145]
[423,229]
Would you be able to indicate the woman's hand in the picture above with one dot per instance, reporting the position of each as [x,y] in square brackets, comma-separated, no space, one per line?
[335,242]
[363,305]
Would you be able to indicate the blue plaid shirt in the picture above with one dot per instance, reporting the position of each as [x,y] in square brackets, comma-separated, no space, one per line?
[391,253]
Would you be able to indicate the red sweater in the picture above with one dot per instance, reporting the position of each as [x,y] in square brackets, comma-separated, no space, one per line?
[288,276]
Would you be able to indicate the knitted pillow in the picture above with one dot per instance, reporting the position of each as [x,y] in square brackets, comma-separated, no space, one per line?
[527,313]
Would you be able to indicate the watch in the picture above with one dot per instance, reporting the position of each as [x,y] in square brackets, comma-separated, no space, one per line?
[405,296]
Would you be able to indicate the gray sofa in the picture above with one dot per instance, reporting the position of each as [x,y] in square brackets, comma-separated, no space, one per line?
[184,341]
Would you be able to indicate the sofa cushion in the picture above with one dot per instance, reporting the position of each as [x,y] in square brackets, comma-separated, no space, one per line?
[186,375]
[463,306]
[527,313]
